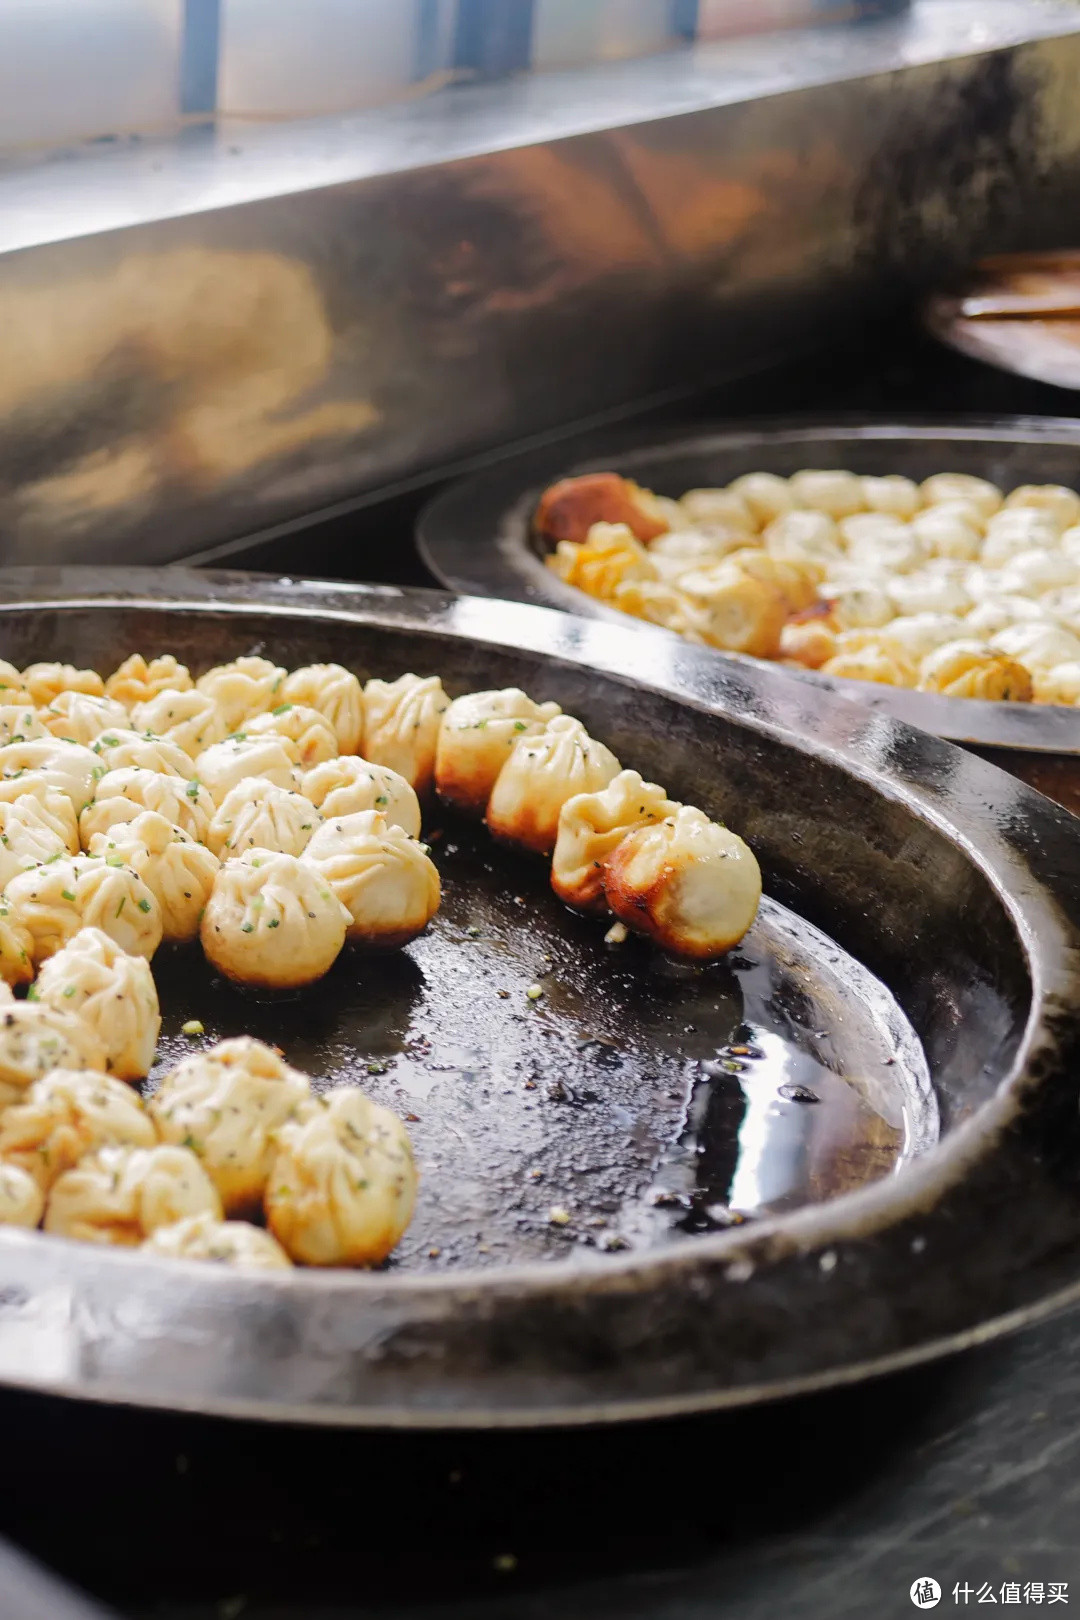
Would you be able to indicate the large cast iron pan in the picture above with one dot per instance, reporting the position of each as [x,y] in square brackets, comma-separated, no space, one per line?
[921,921]
[477,537]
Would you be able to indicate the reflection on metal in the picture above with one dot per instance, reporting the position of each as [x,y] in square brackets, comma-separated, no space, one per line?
[1019,311]
[202,339]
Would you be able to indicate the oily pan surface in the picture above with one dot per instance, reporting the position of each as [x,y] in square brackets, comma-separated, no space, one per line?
[608,1113]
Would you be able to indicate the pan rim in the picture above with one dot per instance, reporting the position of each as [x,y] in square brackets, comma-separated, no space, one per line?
[876,1198]
[603,1414]
[1040,930]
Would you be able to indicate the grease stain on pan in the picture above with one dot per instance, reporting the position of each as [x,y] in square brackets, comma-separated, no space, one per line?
[637,1096]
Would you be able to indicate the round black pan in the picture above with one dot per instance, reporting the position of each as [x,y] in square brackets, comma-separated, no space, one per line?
[654,1188]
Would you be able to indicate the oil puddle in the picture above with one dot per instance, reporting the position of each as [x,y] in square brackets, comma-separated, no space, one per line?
[566,1097]
[768,1128]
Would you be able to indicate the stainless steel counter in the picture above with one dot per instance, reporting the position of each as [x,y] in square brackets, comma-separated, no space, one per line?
[204,338]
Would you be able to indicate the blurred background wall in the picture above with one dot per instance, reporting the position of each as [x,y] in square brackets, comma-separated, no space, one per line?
[74,70]
[261,259]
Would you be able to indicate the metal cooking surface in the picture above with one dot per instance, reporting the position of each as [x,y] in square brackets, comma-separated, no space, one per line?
[951,884]
[614,1096]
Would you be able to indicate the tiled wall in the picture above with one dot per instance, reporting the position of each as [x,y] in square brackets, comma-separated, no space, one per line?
[72,69]
[294,60]
[566,33]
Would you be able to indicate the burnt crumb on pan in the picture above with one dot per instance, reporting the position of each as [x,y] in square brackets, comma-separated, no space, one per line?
[561,1091]
[710,1215]
[795,1093]
[724,1215]
[664,1198]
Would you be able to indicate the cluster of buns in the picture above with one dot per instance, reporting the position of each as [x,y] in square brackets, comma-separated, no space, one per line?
[617,844]
[271,816]
[949,586]
[232,1133]
[237,809]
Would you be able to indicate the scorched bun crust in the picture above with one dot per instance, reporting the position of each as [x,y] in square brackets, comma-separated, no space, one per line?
[591,828]
[686,882]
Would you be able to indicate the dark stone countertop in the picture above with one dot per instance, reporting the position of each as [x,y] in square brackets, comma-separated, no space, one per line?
[830,1506]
